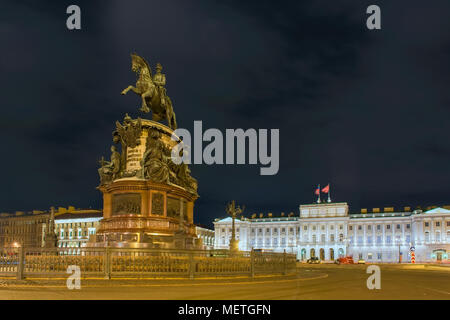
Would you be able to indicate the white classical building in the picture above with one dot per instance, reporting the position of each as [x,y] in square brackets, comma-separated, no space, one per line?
[206,235]
[328,231]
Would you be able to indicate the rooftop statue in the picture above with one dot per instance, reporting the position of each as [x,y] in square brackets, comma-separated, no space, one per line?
[152,91]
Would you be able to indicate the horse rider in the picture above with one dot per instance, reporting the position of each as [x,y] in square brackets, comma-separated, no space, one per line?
[159,80]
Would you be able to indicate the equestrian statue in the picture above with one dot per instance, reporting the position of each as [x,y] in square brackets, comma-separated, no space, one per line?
[152,91]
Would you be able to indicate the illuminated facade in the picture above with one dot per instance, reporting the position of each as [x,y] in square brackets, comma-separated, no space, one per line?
[328,231]
[23,228]
[74,228]
[206,235]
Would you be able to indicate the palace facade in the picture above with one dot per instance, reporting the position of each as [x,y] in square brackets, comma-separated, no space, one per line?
[329,231]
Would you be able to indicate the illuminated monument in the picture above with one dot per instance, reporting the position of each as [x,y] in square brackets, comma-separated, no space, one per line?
[148,200]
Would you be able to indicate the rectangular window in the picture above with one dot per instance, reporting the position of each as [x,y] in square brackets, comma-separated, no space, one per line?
[350,228]
[359,227]
[438,236]
[379,239]
[388,226]
[438,224]
[398,227]
[408,226]
[379,255]
[378,227]
[427,224]
[369,227]
[388,239]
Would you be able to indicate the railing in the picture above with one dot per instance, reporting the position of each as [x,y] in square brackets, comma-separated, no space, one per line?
[119,262]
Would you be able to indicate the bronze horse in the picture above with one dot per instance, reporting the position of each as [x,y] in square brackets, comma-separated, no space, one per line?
[151,96]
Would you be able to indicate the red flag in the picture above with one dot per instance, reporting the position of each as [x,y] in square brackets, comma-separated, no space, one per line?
[317,191]
[326,189]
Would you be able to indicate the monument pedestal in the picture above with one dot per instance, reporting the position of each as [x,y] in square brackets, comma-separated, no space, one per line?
[143,214]
[148,201]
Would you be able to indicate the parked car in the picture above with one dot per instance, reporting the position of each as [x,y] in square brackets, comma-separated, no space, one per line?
[313,260]
[345,260]
[361,261]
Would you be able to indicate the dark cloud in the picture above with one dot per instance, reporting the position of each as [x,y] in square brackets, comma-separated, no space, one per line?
[364,110]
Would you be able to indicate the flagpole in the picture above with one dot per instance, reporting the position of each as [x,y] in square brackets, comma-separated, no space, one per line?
[329,192]
[318,200]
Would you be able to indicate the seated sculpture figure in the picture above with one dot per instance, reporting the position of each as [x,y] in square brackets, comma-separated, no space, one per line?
[109,169]
[155,162]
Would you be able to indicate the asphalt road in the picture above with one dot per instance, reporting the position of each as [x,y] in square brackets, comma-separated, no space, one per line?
[311,282]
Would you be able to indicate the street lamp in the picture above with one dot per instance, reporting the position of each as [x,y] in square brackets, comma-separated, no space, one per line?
[400,241]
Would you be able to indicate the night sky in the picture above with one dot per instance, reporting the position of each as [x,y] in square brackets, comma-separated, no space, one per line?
[367,111]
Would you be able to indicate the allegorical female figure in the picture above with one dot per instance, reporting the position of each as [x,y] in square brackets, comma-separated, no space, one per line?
[110,170]
[154,161]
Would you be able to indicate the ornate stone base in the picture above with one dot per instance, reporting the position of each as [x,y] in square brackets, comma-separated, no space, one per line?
[234,245]
[138,213]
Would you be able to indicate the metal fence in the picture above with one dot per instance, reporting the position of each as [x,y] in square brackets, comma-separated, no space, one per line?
[136,263]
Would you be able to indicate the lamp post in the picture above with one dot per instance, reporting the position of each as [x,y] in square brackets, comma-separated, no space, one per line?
[233,211]
[399,252]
